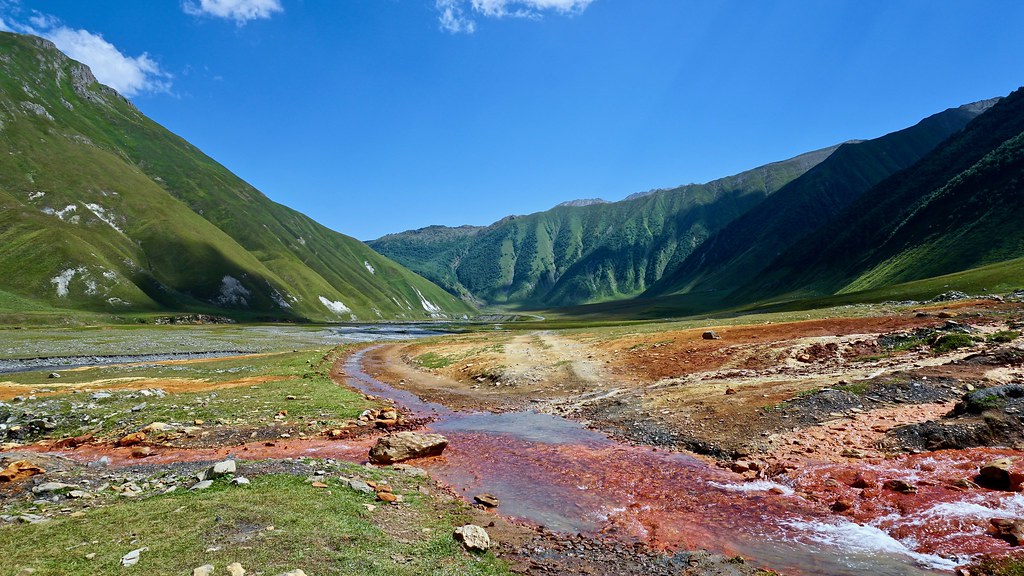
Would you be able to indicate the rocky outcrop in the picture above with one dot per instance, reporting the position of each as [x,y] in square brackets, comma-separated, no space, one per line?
[987,417]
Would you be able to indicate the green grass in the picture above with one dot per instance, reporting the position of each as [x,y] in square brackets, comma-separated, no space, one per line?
[322,531]
[1004,336]
[1008,566]
[303,375]
[950,342]
[185,222]
[575,254]
[433,360]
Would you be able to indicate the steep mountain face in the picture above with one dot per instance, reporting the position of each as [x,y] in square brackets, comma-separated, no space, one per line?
[103,209]
[959,207]
[575,254]
[740,251]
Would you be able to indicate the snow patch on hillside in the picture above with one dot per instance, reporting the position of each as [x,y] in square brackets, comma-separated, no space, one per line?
[62,213]
[369,267]
[94,281]
[105,215]
[279,299]
[36,195]
[232,292]
[335,306]
[433,309]
[63,279]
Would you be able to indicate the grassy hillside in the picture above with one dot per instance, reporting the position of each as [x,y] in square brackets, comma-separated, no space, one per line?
[958,208]
[102,209]
[577,254]
[740,251]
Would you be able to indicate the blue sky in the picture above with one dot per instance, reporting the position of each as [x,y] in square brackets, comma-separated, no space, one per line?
[377,116]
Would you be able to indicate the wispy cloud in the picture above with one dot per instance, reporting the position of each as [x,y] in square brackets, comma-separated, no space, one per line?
[129,75]
[459,16]
[241,11]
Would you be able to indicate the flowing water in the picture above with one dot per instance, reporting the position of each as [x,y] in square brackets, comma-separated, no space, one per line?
[554,472]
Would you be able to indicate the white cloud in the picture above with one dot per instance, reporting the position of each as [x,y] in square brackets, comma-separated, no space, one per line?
[458,15]
[128,75]
[241,11]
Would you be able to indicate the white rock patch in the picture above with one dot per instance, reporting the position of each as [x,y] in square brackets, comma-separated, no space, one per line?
[279,299]
[335,306]
[232,292]
[369,267]
[36,195]
[104,215]
[62,213]
[430,307]
[64,278]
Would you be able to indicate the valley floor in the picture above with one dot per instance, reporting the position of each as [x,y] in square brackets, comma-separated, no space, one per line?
[871,417]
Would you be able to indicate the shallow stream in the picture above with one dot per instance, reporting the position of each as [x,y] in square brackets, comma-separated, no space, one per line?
[554,472]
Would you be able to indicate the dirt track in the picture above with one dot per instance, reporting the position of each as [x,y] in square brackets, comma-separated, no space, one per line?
[678,389]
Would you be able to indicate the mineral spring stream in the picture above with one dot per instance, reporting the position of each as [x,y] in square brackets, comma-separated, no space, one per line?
[554,472]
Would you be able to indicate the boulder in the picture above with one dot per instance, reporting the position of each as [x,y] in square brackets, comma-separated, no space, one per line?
[132,439]
[217,470]
[132,558]
[1001,474]
[157,427]
[1010,530]
[473,538]
[711,335]
[900,486]
[235,569]
[204,570]
[50,487]
[358,485]
[488,500]
[19,470]
[73,442]
[405,445]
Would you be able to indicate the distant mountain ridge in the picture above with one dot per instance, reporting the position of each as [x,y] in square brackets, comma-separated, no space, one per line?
[739,252]
[958,208]
[575,254]
[102,209]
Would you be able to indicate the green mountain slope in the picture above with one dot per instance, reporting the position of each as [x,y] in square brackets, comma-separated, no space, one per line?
[740,251]
[958,208]
[575,254]
[103,209]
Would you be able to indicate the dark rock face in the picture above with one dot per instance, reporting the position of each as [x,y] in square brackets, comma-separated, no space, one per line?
[987,417]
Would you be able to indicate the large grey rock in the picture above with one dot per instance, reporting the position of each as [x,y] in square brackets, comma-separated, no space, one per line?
[217,470]
[204,570]
[473,538]
[50,487]
[358,485]
[132,558]
[405,445]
